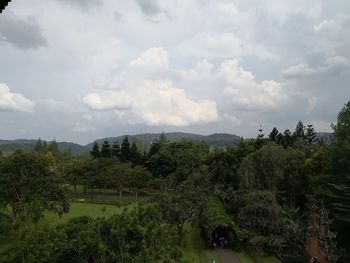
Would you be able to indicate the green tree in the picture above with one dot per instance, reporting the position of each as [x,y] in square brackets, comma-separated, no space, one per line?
[38,145]
[310,136]
[273,134]
[125,150]
[30,185]
[135,156]
[338,192]
[53,147]
[116,150]
[106,151]
[299,133]
[95,153]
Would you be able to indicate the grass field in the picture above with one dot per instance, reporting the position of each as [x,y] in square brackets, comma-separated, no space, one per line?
[249,256]
[195,250]
[87,209]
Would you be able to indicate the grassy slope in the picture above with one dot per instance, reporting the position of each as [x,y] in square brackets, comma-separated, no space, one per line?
[195,250]
[249,256]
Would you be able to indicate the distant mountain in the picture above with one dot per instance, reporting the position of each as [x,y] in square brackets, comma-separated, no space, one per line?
[325,136]
[9,146]
[215,140]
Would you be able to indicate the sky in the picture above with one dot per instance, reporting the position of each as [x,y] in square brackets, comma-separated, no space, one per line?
[78,70]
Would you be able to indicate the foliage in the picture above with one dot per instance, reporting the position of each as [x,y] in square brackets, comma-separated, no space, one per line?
[30,185]
[214,216]
[139,235]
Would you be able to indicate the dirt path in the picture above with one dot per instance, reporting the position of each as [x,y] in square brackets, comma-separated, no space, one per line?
[227,256]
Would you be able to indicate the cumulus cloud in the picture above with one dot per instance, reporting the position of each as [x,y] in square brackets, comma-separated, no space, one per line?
[13,101]
[152,59]
[160,103]
[108,100]
[333,36]
[331,65]
[21,33]
[221,45]
[245,92]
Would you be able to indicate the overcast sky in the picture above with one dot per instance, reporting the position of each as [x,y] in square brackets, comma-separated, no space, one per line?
[77,70]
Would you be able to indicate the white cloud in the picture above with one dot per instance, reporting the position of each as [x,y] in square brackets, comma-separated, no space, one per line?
[13,101]
[221,45]
[83,127]
[281,10]
[108,100]
[160,103]
[232,119]
[244,92]
[331,65]
[154,59]
[333,36]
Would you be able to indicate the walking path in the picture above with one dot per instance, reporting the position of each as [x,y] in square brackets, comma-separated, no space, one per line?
[227,256]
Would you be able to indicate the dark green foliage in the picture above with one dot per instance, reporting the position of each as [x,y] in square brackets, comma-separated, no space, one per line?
[180,159]
[30,185]
[260,141]
[95,153]
[125,150]
[116,150]
[287,139]
[106,151]
[39,146]
[310,136]
[273,134]
[222,168]
[298,133]
[135,155]
[214,216]
[138,236]
[181,202]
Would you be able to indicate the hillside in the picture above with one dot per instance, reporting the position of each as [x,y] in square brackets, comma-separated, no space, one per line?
[215,140]
[9,146]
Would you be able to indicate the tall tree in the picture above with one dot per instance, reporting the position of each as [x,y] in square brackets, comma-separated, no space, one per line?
[125,150]
[116,150]
[38,145]
[310,136]
[339,196]
[53,147]
[287,139]
[299,131]
[260,138]
[273,134]
[95,153]
[106,151]
[135,156]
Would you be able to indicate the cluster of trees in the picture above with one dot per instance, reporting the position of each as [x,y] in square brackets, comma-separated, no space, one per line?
[262,189]
[140,235]
[124,153]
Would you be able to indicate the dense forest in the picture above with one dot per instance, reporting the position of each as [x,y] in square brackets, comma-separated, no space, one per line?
[280,193]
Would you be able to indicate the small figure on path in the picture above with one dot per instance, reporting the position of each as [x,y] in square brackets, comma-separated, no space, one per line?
[221,241]
[212,260]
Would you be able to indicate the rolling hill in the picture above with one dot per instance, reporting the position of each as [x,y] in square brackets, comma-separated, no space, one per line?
[216,140]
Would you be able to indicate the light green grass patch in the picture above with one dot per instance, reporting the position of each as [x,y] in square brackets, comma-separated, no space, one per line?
[86,209]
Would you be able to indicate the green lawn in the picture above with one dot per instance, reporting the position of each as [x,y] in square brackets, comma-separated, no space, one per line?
[250,256]
[88,209]
[195,250]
